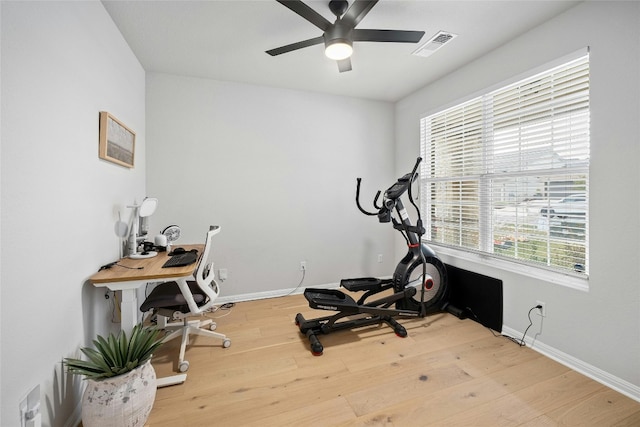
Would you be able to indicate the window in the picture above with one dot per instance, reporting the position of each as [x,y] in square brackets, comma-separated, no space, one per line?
[507,173]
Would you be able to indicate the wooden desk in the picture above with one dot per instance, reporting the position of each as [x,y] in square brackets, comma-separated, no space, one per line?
[128,280]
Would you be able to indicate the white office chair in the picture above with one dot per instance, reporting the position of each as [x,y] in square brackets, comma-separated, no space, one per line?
[182,299]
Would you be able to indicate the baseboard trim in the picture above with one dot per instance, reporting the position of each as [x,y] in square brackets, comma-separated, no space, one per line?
[278,293]
[272,294]
[618,384]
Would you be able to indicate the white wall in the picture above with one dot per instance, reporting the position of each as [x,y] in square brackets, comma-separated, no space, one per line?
[276,169]
[599,328]
[62,63]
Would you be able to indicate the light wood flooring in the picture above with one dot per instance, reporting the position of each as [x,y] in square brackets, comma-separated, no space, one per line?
[447,372]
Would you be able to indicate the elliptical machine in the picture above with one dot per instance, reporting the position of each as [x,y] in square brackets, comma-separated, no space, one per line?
[419,282]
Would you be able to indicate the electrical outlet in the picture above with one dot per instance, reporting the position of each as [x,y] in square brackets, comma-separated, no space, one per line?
[379,257]
[543,310]
[303,265]
[223,274]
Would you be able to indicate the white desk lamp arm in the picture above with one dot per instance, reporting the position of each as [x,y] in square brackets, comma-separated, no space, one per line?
[144,209]
[133,235]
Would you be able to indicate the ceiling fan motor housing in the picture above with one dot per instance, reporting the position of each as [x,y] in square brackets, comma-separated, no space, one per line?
[339,33]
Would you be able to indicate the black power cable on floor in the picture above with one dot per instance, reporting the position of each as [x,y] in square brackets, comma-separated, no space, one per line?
[520,342]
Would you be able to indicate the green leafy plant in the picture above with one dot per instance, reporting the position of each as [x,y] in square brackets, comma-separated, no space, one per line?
[116,355]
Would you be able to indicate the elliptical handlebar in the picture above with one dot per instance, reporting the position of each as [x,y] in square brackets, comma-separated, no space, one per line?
[375,200]
[413,174]
[415,167]
[419,226]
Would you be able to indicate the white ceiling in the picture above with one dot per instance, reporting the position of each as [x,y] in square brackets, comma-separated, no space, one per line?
[227,40]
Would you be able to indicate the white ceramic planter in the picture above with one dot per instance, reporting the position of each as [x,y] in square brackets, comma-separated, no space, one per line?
[122,401]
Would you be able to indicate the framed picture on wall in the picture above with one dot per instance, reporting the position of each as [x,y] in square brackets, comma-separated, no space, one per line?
[117,141]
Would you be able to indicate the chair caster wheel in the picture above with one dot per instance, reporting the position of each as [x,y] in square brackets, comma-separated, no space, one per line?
[226,343]
[213,326]
[184,366]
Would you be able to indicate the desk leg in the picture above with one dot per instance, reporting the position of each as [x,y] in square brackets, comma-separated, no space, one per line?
[128,310]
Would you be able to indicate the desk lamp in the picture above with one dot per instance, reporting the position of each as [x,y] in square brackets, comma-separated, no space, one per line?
[143,210]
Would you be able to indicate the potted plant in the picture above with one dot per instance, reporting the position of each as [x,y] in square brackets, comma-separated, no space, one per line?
[121,385]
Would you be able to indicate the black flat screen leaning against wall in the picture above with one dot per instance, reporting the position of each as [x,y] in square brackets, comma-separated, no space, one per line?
[480,295]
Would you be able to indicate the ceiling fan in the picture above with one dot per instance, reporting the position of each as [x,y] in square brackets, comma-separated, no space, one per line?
[338,37]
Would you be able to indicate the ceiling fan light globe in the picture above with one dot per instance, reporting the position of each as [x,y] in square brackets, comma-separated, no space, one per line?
[338,50]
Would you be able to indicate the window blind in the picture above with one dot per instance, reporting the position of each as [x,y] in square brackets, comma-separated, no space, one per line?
[507,173]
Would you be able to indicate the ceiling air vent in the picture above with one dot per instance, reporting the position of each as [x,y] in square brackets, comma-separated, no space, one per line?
[434,43]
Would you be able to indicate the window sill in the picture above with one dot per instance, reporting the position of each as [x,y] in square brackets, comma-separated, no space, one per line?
[557,278]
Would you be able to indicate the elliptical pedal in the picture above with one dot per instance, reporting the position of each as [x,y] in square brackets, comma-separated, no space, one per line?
[330,299]
[363,284]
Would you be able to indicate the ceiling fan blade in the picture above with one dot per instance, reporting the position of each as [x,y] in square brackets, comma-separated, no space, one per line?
[393,36]
[307,13]
[344,65]
[357,11]
[295,46]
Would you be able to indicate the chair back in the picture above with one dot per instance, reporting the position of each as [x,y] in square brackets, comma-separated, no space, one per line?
[205,273]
